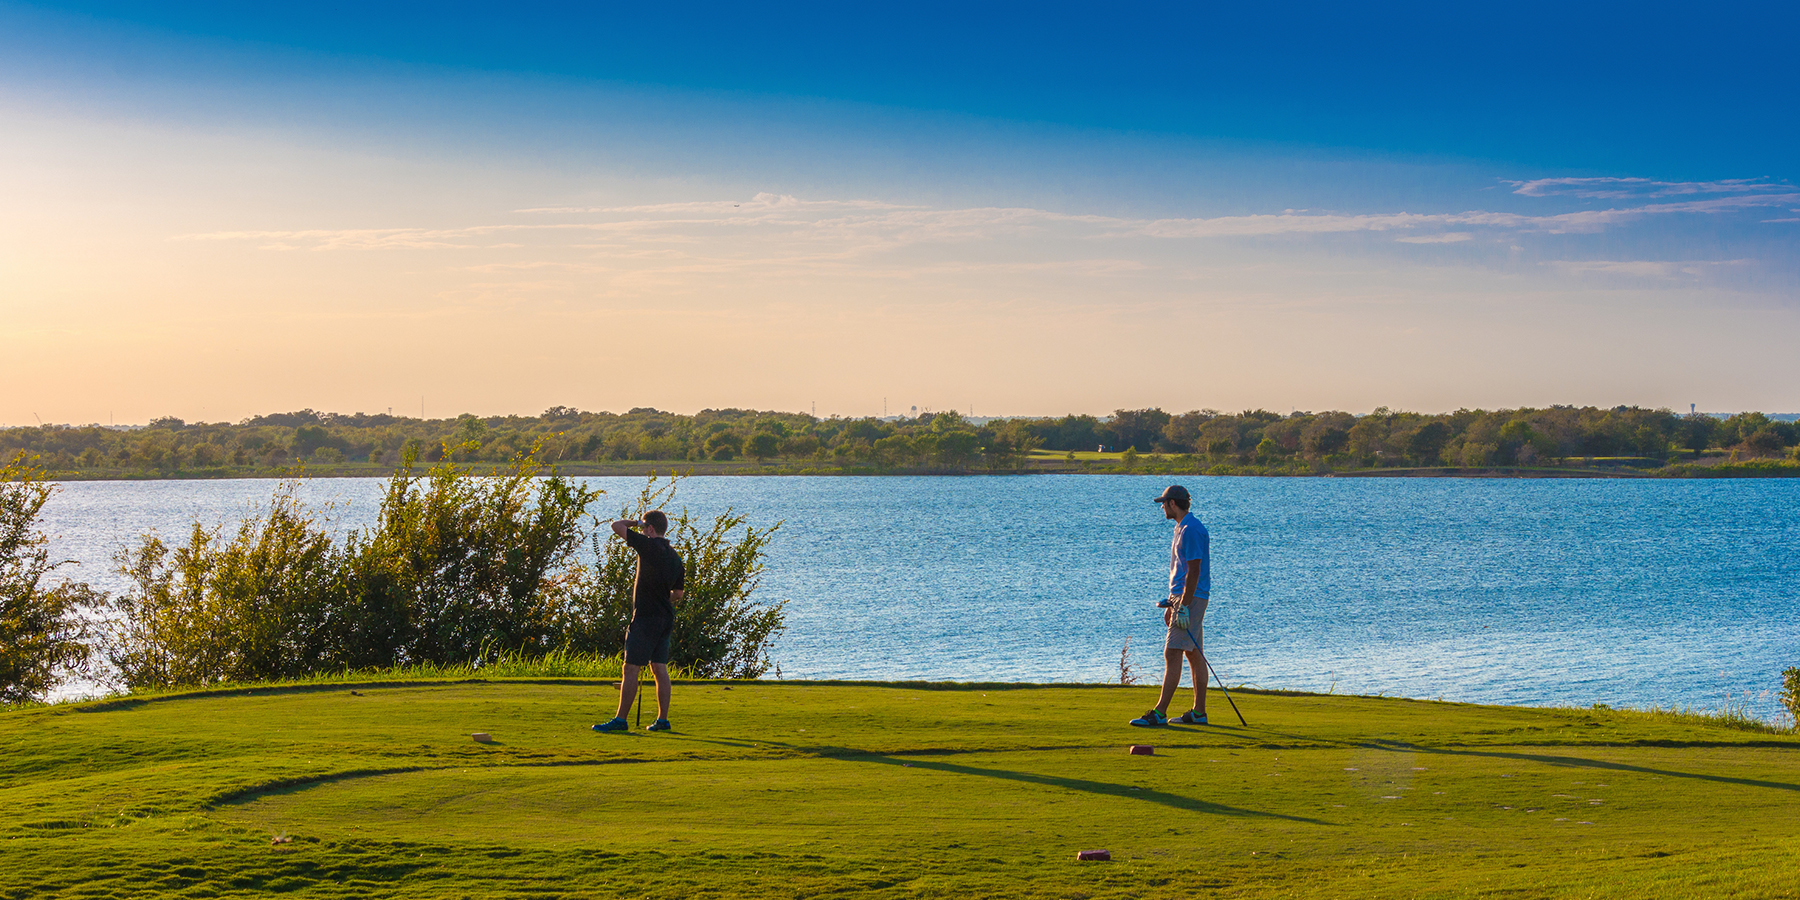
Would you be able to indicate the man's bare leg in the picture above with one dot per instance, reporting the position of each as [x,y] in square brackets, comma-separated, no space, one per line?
[1171,678]
[628,688]
[661,673]
[1197,665]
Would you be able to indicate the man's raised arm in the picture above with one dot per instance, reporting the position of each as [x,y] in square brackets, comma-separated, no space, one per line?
[623,525]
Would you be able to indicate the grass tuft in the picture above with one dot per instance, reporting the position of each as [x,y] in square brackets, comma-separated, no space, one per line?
[1735,714]
[504,665]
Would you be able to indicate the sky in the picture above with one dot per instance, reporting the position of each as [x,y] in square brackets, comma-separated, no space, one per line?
[212,211]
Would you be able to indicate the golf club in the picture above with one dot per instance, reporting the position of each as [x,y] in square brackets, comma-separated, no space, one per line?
[1222,690]
[1215,672]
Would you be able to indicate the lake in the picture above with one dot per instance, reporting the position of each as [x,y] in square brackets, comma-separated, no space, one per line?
[1521,591]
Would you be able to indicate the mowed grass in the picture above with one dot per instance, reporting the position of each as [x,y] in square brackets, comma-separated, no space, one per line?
[854,790]
[1042,455]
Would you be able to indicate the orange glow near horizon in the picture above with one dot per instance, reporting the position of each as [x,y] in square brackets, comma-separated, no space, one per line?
[154,270]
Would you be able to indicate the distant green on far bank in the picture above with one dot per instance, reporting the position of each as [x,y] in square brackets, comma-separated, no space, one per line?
[1527,442]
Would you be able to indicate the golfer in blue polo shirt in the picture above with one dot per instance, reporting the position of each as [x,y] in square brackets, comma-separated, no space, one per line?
[1190,586]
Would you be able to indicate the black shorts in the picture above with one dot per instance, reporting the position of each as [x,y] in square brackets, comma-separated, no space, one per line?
[648,642]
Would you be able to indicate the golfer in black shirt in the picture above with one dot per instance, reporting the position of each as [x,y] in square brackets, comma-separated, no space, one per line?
[653,599]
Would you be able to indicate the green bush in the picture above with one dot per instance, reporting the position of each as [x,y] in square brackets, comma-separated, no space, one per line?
[461,566]
[720,632]
[455,569]
[458,570]
[268,603]
[42,630]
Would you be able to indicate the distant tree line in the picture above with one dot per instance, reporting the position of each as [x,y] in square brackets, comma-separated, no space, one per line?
[560,435]
[1299,441]
[1465,438]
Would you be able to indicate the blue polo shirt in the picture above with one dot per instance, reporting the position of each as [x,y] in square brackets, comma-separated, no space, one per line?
[1190,543]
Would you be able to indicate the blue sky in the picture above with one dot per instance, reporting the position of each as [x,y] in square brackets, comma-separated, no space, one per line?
[1670,90]
[1424,206]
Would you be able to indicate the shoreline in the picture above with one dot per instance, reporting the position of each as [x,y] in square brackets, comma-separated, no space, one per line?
[330,682]
[1750,469]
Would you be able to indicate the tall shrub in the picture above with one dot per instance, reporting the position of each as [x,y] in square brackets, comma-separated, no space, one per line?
[721,631]
[41,626]
[461,565]
[457,569]
[271,601]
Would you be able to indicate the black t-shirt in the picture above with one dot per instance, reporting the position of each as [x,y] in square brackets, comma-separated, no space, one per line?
[659,571]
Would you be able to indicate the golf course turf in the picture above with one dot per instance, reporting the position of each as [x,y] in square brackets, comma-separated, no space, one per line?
[792,789]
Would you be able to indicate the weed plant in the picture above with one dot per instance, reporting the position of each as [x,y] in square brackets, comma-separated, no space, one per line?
[1790,695]
[1127,673]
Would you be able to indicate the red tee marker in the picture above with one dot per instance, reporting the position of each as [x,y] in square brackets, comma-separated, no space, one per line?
[1142,750]
[1095,855]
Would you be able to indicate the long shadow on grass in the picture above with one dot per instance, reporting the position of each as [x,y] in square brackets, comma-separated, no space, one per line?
[1175,801]
[1585,763]
[1579,762]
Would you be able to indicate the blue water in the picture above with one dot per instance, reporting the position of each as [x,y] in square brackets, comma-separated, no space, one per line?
[1628,592]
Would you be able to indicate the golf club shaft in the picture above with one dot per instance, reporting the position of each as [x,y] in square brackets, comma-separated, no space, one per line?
[1222,690]
[1215,675]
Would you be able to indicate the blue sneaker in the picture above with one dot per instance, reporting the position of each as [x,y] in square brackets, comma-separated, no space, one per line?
[617,724]
[660,725]
[1192,717]
[1153,717]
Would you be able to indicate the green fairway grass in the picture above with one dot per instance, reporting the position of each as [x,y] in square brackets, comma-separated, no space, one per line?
[1087,455]
[880,790]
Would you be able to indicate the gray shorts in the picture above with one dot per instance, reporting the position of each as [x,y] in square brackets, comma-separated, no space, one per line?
[1179,640]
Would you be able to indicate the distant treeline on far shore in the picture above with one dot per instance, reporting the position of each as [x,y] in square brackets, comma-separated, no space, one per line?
[1556,440]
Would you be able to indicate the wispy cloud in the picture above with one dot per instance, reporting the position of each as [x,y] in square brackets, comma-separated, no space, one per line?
[778,241]
[1647,268]
[1562,223]
[759,203]
[1642,188]
[851,226]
